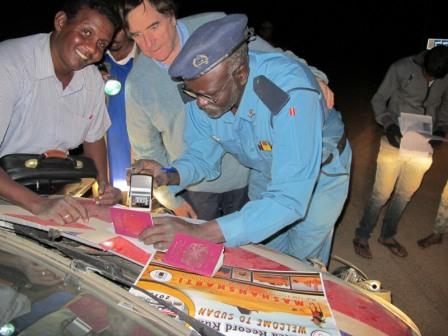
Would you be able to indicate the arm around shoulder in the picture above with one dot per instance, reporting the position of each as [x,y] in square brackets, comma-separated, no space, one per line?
[259,44]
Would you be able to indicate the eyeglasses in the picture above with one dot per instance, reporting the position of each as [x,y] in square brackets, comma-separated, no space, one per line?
[208,98]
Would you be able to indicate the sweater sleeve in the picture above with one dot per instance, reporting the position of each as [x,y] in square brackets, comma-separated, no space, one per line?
[261,45]
[146,141]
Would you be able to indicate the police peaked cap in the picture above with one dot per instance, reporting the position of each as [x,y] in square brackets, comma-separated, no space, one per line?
[210,44]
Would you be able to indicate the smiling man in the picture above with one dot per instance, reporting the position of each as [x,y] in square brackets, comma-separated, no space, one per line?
[51,97]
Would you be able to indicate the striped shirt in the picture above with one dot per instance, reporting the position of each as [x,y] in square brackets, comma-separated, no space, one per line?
[36,113]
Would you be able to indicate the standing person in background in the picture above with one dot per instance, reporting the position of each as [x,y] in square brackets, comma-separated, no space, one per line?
[440,224]
[155,106]
[417,84]
[51,97]
[267,111]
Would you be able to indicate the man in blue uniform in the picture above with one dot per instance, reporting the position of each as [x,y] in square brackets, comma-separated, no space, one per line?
[269,113]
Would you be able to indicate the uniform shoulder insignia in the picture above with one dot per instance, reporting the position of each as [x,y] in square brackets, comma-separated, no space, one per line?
[270,94]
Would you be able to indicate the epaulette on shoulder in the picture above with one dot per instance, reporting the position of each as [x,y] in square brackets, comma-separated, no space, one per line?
[270,94]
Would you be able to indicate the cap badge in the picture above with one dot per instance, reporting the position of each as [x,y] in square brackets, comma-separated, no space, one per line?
[200,60]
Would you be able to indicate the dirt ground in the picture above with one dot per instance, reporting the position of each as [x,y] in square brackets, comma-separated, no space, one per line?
[419,281]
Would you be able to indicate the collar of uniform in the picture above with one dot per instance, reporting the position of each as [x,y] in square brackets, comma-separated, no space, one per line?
[228,117]
[245,109]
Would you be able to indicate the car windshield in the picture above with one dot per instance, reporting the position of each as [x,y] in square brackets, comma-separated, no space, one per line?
[40,297]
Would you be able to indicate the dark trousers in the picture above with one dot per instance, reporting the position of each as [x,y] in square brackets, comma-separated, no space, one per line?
[209,206]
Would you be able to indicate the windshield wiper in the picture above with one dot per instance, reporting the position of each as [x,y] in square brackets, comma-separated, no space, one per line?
[72,252]
[82,261]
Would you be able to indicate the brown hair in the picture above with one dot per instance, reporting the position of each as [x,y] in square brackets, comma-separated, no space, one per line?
[165,7]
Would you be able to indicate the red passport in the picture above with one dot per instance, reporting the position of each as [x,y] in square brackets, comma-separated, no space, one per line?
[195,255]
[130,222]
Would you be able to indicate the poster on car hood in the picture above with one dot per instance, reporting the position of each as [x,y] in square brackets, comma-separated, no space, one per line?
[241,301]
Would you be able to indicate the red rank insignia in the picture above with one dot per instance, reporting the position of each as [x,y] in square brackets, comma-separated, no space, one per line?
[292,111]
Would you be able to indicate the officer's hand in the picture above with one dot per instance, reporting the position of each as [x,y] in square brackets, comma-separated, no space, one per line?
[61,209]
[161,234]
[393,135]
[326,91]
[436,143]
[185,210]
[153,168]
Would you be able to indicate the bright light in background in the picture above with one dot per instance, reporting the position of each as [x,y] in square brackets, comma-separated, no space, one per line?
[121,184]
[432,42]
[112,87]
[8,329]
[124,188]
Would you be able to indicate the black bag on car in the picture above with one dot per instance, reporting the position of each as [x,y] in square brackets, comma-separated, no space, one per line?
[46,173]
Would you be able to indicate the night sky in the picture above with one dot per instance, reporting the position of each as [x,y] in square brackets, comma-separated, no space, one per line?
[342,38]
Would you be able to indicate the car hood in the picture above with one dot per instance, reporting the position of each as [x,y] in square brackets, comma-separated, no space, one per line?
[43,292]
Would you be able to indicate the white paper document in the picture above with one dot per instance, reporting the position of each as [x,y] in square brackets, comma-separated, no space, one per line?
[415,122]
[415,144]
[417,131]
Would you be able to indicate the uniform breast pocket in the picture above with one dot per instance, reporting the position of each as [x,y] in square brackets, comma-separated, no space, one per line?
[247,153]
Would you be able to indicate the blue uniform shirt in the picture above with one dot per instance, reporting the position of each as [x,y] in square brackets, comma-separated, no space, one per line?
[284,152]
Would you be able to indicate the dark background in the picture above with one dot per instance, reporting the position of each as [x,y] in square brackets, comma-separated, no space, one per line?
[341,38]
